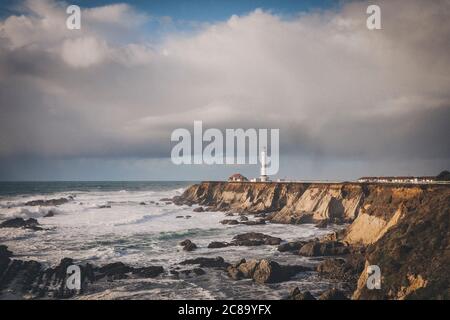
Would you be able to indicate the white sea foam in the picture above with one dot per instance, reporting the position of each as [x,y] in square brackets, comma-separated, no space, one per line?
[138,235]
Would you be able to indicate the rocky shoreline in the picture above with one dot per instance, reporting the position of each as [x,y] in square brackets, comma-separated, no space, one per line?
[403,229]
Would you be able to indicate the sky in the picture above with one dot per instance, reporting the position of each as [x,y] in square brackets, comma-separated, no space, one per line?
[101,103]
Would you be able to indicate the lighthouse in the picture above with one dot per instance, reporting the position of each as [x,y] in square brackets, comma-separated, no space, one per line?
[263,160]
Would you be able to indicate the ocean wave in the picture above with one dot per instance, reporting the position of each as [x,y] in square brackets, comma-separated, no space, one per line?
[32,212]
[171,235]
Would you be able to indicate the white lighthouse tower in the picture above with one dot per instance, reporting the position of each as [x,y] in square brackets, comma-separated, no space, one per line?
[263,160]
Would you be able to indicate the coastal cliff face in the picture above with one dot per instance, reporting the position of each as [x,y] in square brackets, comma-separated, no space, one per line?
[403,227]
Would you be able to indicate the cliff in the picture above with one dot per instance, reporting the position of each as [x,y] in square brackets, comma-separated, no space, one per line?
[403,227]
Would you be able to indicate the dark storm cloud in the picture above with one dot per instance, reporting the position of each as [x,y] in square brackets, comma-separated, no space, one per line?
[332,87]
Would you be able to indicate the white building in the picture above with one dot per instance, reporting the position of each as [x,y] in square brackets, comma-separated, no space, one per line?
[264,177]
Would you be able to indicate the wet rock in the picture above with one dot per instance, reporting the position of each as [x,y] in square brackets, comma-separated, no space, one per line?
[234,273]
[347,270]
[322,224]
[188,217]
[243,218]
[297,295]
[229,221]
[188,245]
[4,252]
[328,248]
[203,262]
[142,203]
[50,213]
[51,202]
[199,209]
[264,271]
[148,272]
[105,206]
[255,239]
[30,280]
[333,294]
[261,215]
[247,268]
[179,217]
[272,272]
[21,223]
[292,246]
[254,222]
[116,270]
[199,271]
[218,244]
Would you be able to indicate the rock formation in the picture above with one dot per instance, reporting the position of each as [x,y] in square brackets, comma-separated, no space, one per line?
[402,228]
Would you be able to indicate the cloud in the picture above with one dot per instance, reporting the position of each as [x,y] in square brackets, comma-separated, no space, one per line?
[83,51]
[334,88]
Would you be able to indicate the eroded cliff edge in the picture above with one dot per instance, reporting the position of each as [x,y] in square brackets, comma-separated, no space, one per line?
[404,228]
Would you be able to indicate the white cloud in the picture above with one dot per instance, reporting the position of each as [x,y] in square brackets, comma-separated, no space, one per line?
[84,51]
[333,87]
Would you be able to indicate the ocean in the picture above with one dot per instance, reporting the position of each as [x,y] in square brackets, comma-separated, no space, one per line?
[108,222]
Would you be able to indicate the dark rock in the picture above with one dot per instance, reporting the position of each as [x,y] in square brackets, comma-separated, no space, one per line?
[217,244]
[115,269]
[105,206]
[30,280]
[21,223]
[328,248]
[199,271]
[50,213]
[51,202]
[271,272]
[347,270]
[291,246]
[188,245]
[185,242]
[199,209]
[243,218]
[179,217]
[188,217]
[4,252]
[264,271]
[230,222]
[255,239]
[333,294]
[261,215]
[297,295]
[254,222]
[217,262]
[142,203]
[148,272]
[322,224]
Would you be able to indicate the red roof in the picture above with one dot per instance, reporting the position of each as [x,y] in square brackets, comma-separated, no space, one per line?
[237,176]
